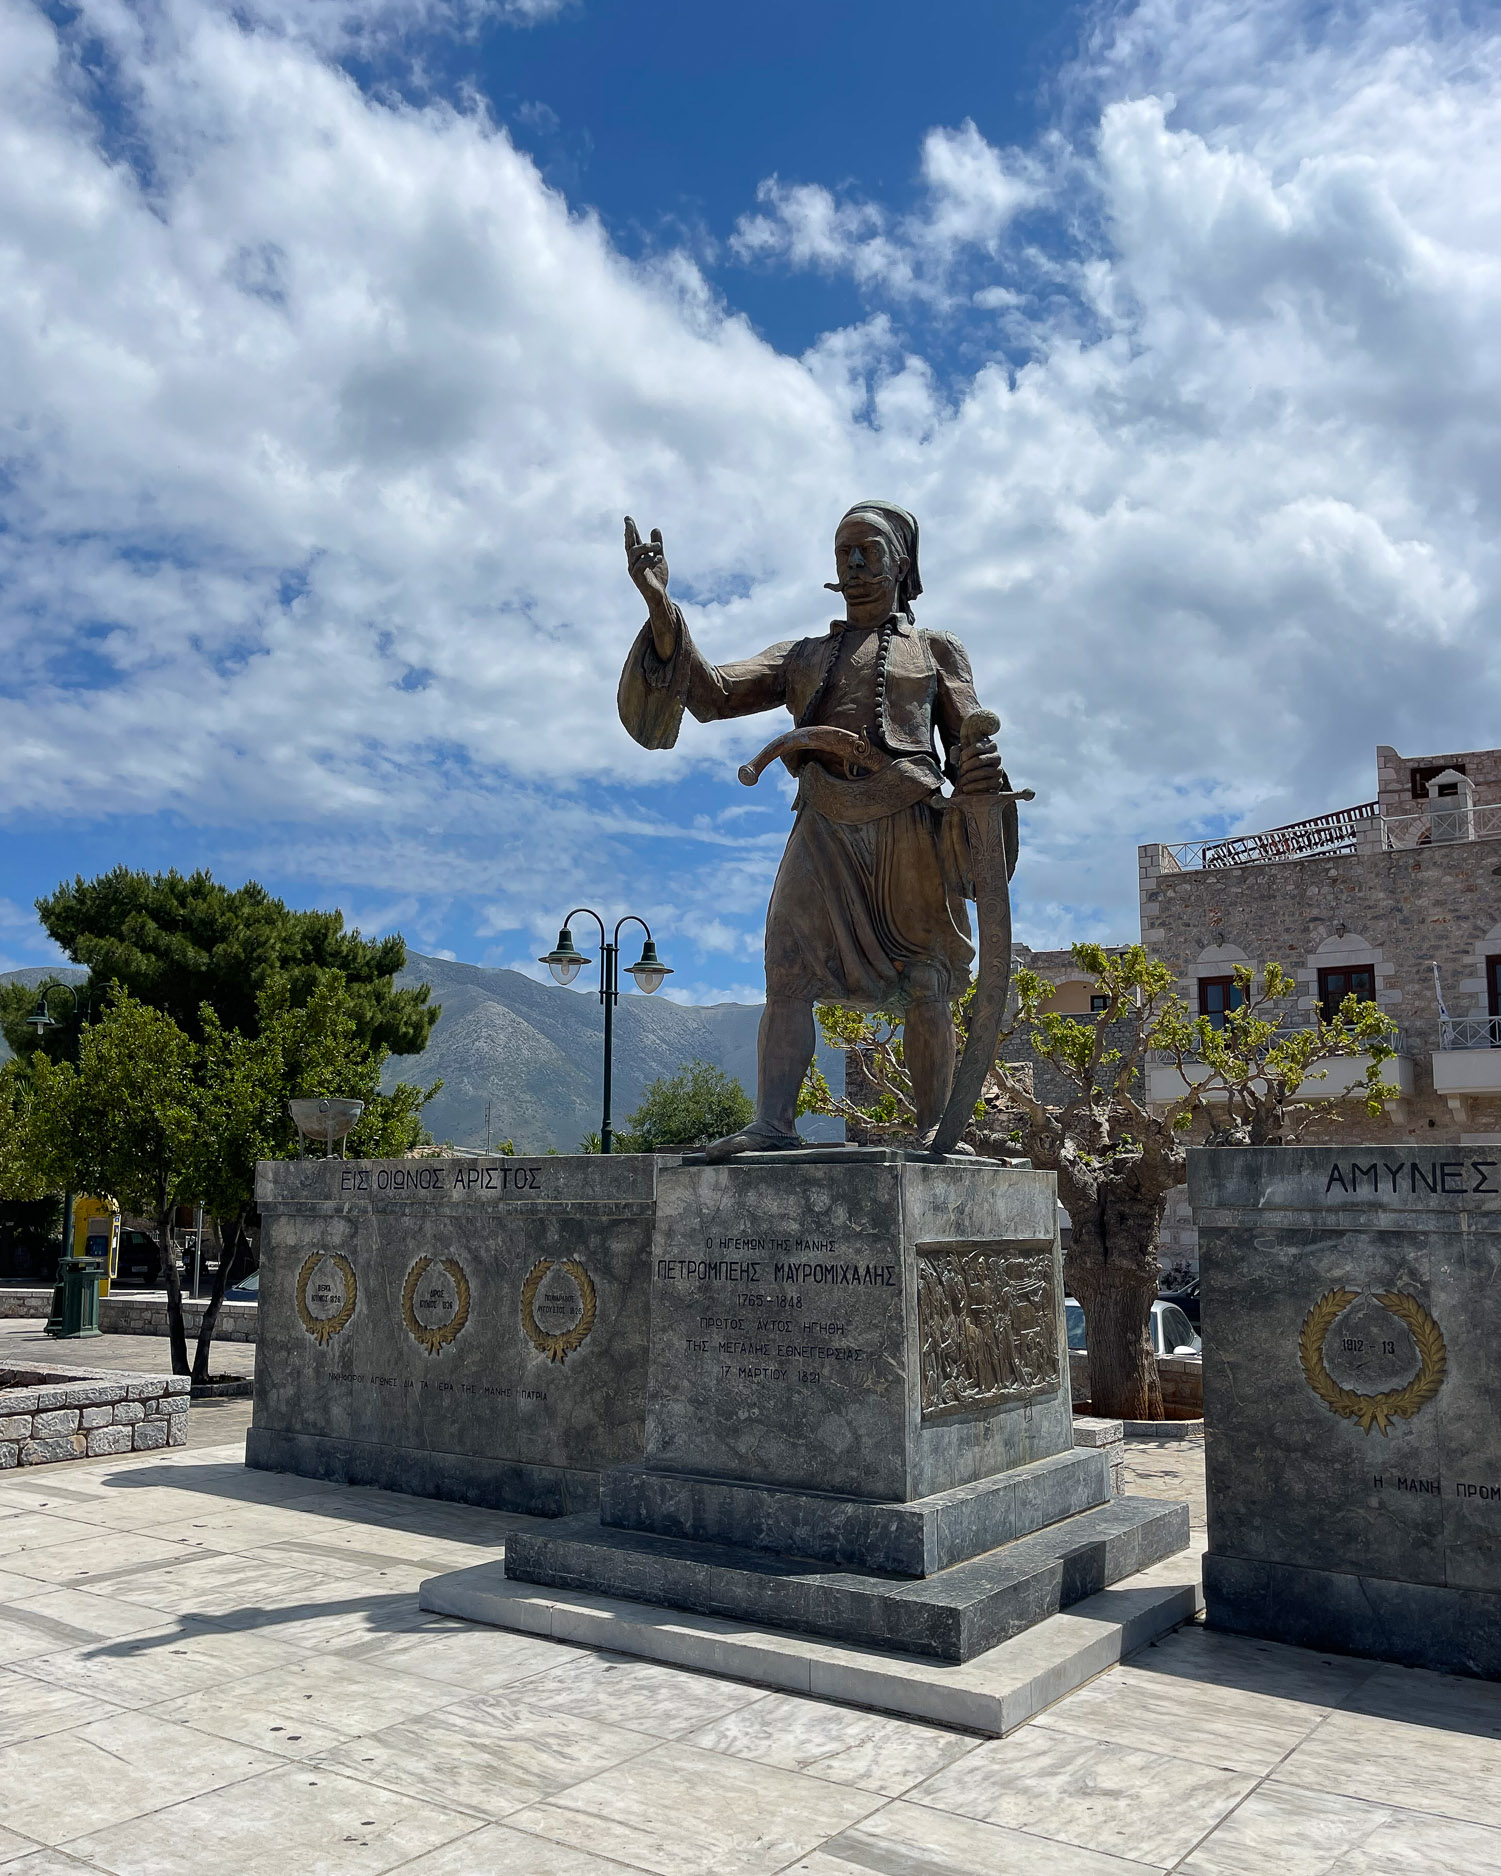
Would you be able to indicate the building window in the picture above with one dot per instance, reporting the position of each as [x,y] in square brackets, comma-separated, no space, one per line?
[1345,980]
[1216,995]
[1424,773]
[1098,1002]
[1493,985]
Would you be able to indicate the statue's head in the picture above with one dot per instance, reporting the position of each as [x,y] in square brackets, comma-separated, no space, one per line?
[875,557]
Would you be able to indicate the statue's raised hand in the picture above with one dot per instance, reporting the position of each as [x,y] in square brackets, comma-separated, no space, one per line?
[648,569]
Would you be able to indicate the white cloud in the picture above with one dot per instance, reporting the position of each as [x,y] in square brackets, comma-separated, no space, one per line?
[319,417]
[973,195]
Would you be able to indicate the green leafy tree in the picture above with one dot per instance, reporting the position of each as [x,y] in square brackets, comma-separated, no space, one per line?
[180,942]
[698,1104]
[122,1122]
[157,1120]
[244,1086]
[1117,1158]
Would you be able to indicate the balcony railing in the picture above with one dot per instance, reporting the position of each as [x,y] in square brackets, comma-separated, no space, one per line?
[1440,826]
[1334,833]
[1469,1032]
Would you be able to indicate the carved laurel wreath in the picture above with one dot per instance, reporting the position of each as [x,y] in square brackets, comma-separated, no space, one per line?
[1398,1403]
[324,1328]
[557,1347]
[434,1339]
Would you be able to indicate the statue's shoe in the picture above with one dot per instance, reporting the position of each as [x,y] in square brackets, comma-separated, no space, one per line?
[759,1137]
[960,1147]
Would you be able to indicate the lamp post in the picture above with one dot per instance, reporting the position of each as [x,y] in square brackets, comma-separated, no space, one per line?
[565,962]
[41,1020]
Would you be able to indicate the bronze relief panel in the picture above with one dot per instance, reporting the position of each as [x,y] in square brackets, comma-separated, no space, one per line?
[987,1312]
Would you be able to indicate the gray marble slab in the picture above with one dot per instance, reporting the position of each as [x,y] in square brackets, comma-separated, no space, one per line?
[952,1616]
[914,1539]
[463,1328]
[792,1314]
[1352,1397]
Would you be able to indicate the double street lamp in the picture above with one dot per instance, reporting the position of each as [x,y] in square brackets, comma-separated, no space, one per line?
[41,1019]
[565,962]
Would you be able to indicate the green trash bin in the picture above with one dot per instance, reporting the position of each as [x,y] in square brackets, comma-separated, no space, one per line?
[75,1296]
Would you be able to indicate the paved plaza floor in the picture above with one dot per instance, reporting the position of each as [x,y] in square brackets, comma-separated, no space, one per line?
[206,1671]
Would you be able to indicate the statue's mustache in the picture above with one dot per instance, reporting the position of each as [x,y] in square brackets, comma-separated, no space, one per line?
[853,579]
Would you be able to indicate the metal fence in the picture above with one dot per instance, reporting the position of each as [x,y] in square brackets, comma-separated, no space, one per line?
[1440,827]
[1469,1032]
[1334,833]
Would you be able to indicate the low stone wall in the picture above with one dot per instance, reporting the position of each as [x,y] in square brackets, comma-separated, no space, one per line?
[47,1416]
[25,1303]
[1182,1382]
[144,1312]
[140,1312]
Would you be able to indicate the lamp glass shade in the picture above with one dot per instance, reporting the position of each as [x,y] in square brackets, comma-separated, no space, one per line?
[565,961]
[649,970]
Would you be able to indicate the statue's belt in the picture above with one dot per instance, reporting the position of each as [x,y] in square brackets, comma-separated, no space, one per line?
[865,797]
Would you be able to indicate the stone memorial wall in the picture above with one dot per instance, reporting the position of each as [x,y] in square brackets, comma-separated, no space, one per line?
[1352,1398]
[471,1329]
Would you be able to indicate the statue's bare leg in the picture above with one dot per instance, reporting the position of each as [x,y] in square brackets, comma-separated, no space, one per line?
[783,1051]
[928,1045]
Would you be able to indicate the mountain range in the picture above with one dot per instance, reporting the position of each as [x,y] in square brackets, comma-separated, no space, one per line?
[533,1053]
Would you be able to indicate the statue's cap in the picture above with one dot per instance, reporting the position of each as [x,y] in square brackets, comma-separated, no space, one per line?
[901,529]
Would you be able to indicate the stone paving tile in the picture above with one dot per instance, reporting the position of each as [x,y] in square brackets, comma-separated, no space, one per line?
[49,1863]
[1415,1766]
[177,1658]
[1291,1832]
[841,1744]
[322,1723]
[118,1767]
[910,1840]
[1213,1725]
[681,1812]
[491,1754]
[497,1850]
[1132,1803]
[463,1654]
[13,1845]
[31,1708]
[297,1818]
[1168,1469]
[669,1702]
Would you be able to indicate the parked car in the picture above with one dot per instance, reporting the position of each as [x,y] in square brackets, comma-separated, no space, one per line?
[1187,1300]
[247,1290]
[1172,1332]
[140,1258]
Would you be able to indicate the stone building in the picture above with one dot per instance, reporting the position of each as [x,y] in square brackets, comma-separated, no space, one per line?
[1397,900]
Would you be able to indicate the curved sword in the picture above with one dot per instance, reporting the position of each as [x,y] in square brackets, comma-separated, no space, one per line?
[987,1010]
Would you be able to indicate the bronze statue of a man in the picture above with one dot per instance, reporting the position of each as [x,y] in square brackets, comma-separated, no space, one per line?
[868,907]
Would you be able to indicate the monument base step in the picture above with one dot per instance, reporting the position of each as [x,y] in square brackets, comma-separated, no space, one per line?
[994,1693]
[952,1616]
[916,1539]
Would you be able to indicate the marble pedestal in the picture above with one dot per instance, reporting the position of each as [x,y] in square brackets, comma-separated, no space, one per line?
[858,1418]
[1352,1398]
[459,1328]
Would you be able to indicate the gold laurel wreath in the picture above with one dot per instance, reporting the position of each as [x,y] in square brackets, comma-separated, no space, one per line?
[557,1347]
[434,1339]
[324,1328]
[1397,1403]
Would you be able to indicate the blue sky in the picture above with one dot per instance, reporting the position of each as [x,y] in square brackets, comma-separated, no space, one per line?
[337,339]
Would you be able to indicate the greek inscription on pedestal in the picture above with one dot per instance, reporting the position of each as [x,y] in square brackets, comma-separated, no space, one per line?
[326,1295]
[435,1302]
[558,1305]
[988,1322]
